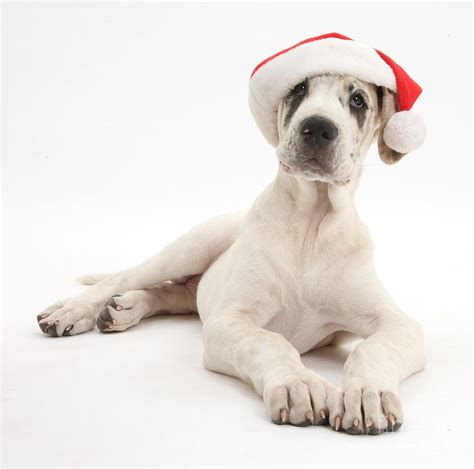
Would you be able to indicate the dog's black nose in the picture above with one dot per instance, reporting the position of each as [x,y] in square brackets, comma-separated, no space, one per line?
[318,131]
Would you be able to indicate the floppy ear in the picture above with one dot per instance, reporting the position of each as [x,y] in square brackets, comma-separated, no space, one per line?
[387,108]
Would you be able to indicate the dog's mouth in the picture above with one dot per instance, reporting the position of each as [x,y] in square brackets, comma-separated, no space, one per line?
[309,163]
[312,170]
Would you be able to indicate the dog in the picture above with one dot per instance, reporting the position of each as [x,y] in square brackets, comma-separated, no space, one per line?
[292,273]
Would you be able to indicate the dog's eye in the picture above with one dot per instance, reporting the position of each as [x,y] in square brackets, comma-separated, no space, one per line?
[357,101]
[300,88]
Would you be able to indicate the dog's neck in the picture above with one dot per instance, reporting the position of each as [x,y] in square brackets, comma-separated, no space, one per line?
[307,211]
[314,196]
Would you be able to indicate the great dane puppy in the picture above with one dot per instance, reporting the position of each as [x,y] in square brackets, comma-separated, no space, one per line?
[292,273]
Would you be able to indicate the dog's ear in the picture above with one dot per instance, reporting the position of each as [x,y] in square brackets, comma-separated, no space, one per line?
[387,107]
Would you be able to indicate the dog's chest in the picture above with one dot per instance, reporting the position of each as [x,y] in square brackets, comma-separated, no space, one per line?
[305,315]
[306,281]
[289,278]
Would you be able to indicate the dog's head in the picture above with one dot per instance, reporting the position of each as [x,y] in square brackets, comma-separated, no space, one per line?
[326,124]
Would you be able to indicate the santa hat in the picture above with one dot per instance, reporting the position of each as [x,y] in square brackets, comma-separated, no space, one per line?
[333,53]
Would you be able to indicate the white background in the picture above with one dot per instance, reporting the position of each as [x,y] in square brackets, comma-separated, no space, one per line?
[126,124]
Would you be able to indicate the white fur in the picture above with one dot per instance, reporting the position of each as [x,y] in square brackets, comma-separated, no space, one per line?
[292,273]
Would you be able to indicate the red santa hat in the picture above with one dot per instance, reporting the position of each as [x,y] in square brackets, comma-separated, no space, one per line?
[334,53]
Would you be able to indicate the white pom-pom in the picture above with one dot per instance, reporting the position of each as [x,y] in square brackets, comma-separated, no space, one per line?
[405,131]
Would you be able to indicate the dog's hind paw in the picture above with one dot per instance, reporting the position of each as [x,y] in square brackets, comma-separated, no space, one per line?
[123,311]
[66,318]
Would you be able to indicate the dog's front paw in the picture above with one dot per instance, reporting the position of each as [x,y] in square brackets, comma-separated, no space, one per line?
[365,410]
[298,398]
[67,317]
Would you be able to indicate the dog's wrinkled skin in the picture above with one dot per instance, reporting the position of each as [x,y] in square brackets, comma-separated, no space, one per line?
[292,273]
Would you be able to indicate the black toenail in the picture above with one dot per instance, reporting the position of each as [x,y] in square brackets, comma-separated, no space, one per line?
[51,330]
[103,326]
[105,315]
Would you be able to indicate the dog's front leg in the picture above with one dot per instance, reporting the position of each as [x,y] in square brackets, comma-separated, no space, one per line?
[236,346]
[369,399]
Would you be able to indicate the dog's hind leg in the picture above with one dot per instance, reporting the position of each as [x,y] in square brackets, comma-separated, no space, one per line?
[92,279]
[124,311]
[188,256]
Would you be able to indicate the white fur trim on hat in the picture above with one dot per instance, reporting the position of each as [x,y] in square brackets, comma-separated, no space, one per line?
[404,132]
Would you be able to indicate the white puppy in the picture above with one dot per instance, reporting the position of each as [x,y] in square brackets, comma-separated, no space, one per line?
[292,273]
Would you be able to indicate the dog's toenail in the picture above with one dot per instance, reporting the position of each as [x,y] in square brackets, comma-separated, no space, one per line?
[393,425]
[355,422]
[337,423]
[51,330]
[284,415]
[322,414]
[309,416]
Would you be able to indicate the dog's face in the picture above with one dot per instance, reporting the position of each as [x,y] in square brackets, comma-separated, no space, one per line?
[327,123]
